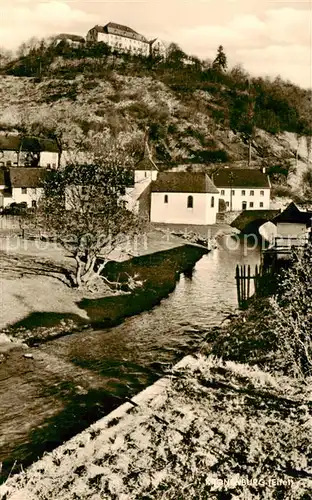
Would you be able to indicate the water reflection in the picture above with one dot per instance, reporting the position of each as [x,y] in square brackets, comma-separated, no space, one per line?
[128,354]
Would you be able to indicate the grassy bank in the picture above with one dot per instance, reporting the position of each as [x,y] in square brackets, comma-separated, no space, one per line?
[217,430]
[38,301]
[231,423]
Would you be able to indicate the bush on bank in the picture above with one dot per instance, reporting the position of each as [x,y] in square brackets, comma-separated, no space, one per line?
[275,332]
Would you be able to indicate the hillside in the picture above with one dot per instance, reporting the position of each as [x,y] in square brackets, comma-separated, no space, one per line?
[195,116]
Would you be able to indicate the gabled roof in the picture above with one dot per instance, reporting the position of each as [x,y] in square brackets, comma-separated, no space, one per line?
[27,177]
[33,144]
[145,164]
[9,142]
[183,182]
[240,178]
[112,28]
[68,36]
[294,215]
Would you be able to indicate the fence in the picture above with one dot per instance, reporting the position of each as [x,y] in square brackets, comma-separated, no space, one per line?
[244,278]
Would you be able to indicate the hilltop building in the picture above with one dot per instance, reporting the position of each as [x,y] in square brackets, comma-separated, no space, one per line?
[243,188]
[125,39]
[68,39]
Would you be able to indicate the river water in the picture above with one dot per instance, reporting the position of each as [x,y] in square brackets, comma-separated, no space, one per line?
[75,380]
[134,353]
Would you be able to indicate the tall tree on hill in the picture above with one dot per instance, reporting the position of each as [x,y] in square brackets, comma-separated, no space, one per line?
[175,55]
[220,61]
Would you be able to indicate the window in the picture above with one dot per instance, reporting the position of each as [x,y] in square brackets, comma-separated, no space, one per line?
[233,192]
[145,174]
[166,198]
[48,165]
[261,193]
[190,202]
[243,192]
[222,192]
[227,203]
[261,204]
[24,190]
[83,190]
[251,204]
[252,193]
[212,201]
[34,203]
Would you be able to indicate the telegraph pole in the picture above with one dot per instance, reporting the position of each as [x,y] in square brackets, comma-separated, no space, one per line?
[231,178]
[251,114]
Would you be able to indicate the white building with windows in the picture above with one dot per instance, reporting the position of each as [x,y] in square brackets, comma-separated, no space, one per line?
[184,198]
[23,151]
[243,188]
[120,38]
[22,185]
[158,48]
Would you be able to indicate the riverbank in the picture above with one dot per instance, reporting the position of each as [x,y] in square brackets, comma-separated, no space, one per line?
[211,428]
[225,420]
[46,397]
[36,292]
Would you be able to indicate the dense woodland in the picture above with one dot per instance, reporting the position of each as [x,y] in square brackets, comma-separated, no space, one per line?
[244,102]
[189,106]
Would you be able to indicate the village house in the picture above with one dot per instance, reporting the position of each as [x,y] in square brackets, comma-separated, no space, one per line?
[18,151]
[21,185]
[243,188]
[120,37]
[184,198]
[292,226]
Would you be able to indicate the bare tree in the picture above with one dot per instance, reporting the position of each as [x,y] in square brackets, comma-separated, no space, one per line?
[84,209]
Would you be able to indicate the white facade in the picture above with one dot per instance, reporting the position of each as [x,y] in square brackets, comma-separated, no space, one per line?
[119,42]
[143,175]
[291,230]
[184,208]
[245,198]
[158,48]
[48,159]
[29,195]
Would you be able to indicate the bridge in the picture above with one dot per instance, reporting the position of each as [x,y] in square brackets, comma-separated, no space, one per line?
[249,221]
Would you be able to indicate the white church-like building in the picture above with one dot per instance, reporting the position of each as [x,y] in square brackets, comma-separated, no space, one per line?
[184,198]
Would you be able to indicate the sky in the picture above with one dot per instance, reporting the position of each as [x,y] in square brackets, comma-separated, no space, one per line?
[267,37]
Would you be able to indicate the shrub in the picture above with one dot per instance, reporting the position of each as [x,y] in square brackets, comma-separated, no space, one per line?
[283,191]
[290,316]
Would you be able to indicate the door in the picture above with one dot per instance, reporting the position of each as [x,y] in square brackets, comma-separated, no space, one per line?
[244,205]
